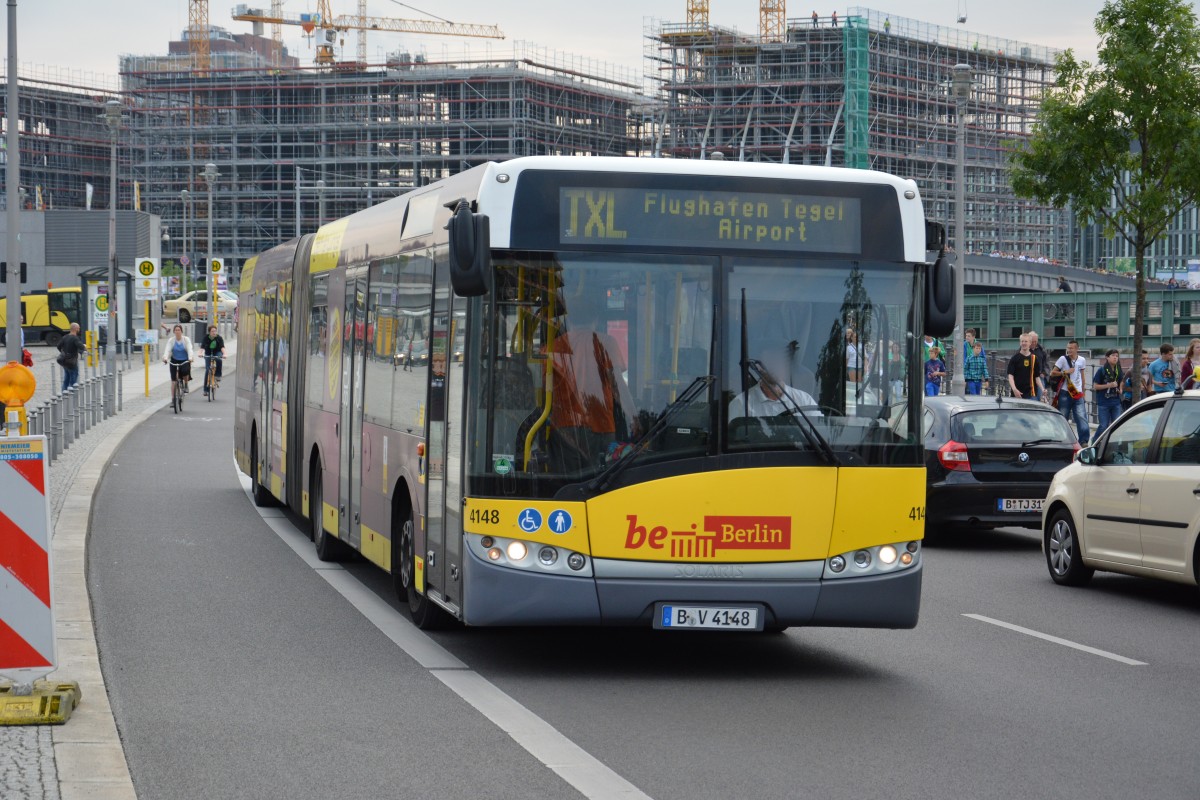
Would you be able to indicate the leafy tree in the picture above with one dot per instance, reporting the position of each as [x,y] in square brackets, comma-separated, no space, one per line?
[1120,140]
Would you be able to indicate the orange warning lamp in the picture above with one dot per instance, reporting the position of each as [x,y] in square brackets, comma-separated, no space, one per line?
[16,387]
[17,384]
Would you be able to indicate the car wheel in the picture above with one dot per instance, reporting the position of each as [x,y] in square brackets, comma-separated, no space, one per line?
[425,614]
[185,315]
[1063,556]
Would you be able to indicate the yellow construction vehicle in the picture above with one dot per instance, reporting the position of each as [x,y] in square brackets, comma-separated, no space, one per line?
[48,314]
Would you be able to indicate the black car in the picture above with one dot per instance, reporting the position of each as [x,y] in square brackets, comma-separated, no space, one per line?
[989,461]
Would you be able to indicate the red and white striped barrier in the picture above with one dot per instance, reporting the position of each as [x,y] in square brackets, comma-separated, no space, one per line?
[27,641]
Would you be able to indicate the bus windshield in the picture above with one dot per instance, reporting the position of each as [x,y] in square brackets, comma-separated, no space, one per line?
[593,358]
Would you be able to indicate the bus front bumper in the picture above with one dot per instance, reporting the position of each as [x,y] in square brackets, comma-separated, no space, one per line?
[498,595]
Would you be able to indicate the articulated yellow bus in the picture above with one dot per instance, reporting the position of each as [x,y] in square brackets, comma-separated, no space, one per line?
[592,391]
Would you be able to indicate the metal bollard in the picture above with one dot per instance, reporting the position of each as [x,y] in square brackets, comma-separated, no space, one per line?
[68,419]
[120,391]
[85,416]
[55,429]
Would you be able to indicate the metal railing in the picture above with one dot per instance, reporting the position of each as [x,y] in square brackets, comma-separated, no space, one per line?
[68,415]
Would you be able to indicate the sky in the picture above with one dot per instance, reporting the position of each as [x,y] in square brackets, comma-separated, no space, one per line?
[90,35]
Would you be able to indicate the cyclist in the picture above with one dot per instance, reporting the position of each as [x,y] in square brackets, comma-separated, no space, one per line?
[179,355]
[213,347]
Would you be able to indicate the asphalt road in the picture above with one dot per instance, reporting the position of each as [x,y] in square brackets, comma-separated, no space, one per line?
[235,670]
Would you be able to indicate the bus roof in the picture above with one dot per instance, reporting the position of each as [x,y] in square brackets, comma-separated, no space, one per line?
[417,218]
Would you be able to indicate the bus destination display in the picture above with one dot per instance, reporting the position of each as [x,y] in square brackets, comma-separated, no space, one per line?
[700,218]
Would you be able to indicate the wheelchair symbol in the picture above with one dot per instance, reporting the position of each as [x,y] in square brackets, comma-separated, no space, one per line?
[529,520]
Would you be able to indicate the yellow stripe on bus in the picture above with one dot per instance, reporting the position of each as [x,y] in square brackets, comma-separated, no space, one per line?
[329,519]
[248,274]
[376,548]
[327,246]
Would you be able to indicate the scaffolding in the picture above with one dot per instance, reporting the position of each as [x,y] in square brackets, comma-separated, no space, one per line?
[290,141]
[65,142]
[870,90]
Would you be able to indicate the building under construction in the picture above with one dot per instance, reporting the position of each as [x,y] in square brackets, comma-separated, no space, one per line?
[295,146]
[869,90]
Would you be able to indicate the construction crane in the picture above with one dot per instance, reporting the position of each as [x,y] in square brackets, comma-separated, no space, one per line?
[697,15]
[772,20]
[330,25]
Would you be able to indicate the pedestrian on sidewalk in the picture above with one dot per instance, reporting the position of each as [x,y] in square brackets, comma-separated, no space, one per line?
[935,370]
[1070,369]
[1024,374]
[70,348]
[975,372]
[1106,390]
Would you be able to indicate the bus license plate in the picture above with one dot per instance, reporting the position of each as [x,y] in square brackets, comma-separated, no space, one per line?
[680,617]
[1020,504]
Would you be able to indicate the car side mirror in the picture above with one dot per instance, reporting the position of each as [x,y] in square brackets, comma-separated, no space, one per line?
[1087,456]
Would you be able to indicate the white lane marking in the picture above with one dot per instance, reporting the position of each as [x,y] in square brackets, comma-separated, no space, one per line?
[580,769]
[1056,640]
[570,761]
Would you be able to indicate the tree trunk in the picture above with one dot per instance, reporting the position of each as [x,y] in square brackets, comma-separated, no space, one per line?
[1139,316]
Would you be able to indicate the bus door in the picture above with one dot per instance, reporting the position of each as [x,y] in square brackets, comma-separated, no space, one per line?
[354,339]
[443,523]
[265,369]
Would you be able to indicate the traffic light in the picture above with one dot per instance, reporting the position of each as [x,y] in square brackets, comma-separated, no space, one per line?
[4,272]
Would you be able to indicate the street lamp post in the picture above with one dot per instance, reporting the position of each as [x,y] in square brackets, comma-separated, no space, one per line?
[961,86]
[12,176]
[112,114]
[210,176]
[186,197]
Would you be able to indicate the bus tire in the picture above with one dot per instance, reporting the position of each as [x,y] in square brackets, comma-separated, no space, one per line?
[52,338]
[328,547]
[426,615]
[262,498]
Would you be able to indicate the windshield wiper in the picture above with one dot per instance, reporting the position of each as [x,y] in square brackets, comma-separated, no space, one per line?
[794,412]
[1038,441]
[639,445]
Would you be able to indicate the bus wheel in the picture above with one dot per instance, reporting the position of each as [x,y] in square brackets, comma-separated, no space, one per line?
[328,547]
[425,614]
[52,338]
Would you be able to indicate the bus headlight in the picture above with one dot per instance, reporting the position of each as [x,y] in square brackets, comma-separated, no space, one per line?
[526,556]
[877,560]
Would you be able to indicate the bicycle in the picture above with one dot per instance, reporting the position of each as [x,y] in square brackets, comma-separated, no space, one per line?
[178,383]
[211,382]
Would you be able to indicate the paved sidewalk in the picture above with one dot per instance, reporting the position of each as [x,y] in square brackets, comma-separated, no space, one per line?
[84,758]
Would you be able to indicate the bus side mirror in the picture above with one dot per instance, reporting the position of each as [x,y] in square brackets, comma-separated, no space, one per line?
[470,248]
[939,297]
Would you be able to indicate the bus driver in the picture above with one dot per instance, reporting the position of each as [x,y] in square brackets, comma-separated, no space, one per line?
[766,398]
